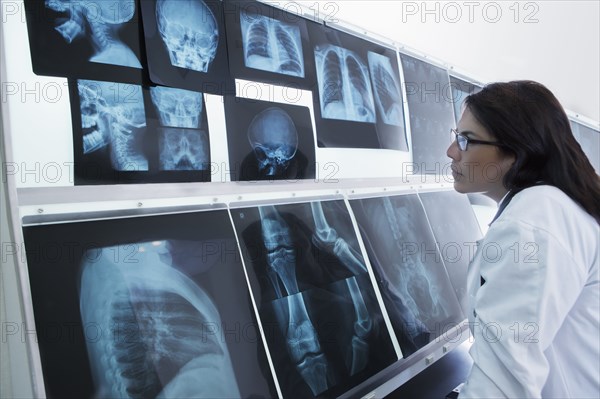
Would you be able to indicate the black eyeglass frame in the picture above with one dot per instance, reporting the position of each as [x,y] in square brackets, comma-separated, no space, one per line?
[468,140]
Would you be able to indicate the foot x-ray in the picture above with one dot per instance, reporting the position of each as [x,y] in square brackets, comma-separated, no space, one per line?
[271,45]
[304,264]
[113,121]
[344,85]
[414,284]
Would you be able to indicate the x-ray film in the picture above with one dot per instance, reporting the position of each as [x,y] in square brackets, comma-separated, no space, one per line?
[358,99]
[589,139]
[145,307]
[91,40]
[415,287]
[268,44]
[269,141]
[429,98]
[186,45]
[127,133]
[326,331]
[460,91]
[456,231]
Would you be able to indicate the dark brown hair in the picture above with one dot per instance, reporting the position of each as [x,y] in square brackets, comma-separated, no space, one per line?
[532,125]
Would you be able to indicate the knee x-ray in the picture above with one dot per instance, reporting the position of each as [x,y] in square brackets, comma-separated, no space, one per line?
[271,45]
[413,281]
[328,332]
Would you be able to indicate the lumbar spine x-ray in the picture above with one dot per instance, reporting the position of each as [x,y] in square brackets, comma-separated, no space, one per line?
[344,85]
[274,139]
[108,120]
[104,19]
[177,107]
[271,45]
[386,89]
[153,321]
[190,32]
[183,149]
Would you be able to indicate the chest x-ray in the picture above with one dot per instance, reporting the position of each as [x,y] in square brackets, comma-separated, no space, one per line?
[271,45]
[388,97]
[344,85]
[190,32]
[99,23]
[413,281]
[113,119]
[182,146]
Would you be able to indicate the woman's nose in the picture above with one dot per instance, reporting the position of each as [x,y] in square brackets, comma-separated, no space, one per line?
[452,151]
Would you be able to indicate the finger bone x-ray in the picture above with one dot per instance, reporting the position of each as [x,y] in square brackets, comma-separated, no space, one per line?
[271,45]
[344,85]
[386,89]
[159,317]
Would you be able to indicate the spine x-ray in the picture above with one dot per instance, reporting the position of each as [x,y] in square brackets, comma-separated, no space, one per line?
[316,291]
[271,45]
[190,32]
[386,89]
[182,146]
[113,120]
[344,85]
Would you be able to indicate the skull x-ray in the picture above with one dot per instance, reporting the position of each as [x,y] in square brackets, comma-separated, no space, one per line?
[315,289]
[271,45]
[99,23]
[344,85]
[183,149]
[190,32]
[589,139]
[177,107]
[414,284]
[113,119]
[386,89]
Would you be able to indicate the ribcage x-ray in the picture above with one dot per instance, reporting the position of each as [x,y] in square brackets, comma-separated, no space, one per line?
[113,120]
[344,86]
[413,281]
[190,32]
[314,288]
[386,89]
[271,45]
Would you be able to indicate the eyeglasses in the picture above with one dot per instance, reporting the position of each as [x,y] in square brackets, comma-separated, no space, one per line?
[464,141]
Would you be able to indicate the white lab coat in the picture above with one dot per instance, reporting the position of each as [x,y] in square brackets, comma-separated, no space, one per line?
[536,319]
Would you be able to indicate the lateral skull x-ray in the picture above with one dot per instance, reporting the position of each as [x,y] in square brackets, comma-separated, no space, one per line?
[113,115]
[190,32]
[386,89]
[274,139]
[271,45]
[160,347]
[344,85]
[99,22]
[177,107]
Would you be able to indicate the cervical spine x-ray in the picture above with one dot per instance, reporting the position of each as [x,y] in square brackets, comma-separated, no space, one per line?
[113,116]
[271,45]
[189,31]
[386,89]
[158,345]
[344,85]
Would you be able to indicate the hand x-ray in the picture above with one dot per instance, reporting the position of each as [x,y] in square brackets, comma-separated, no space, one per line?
[304,263]
[145,307]
[414,284]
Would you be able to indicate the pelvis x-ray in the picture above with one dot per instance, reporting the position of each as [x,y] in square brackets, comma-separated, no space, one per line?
[113,120]
[182,146]
[271,45]
[98,23]
[163,349]
[388,97]
[328,331]
[344,85]
[190,32]
[413,281]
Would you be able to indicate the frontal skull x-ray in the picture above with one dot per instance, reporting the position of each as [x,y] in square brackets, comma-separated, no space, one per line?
[99,22]
[159,345]
[183,149]
[113,116]
[274,139]
[190,32]
[177,107]
[386,89]
[344,85]
[271,45]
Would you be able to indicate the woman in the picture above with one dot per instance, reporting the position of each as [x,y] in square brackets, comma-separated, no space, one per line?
[534,284]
